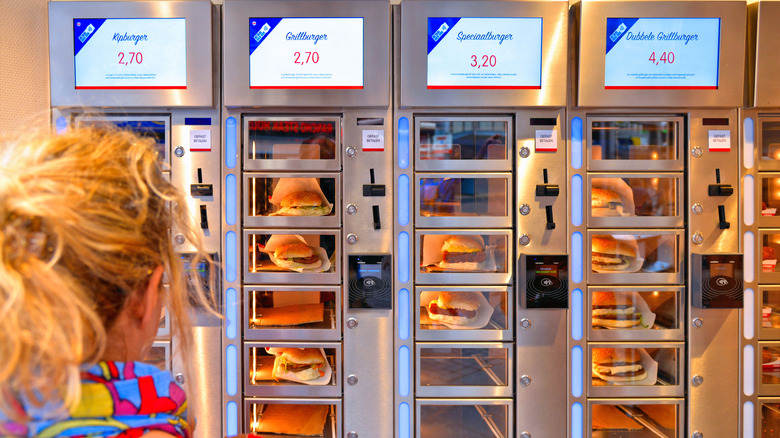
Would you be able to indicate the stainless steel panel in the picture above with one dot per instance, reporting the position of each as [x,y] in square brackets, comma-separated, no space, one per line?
[287,388]
[767,138]
[332,276]
[441,219]
[376,54]
[488,418]
[670,382]
[413,83]
[542,355]
[275,165]
[200,76]
[635,165]
[464,165]
[767,191]
[767,89]
[254,406]
[638,418]
[591,92]
[467,277]
[654,196]
[668,258]
[667,306]
[499,327]
[464,373]
[327,330]
[332,220]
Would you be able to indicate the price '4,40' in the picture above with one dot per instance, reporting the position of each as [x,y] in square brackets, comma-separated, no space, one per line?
[130,58]
[665,58]
[306,57]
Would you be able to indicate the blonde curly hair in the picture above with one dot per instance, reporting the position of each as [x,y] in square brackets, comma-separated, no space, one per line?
[85,217]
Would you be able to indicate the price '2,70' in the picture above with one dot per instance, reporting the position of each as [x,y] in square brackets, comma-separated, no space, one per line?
[306,57]
[132,58]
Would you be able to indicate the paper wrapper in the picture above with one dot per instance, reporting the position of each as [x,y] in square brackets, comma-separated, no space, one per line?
[484,311]
[648,317]
[620,187]
[768,265]
[283,239]
[320,381]
[636,263]
[769,212]
[285,186]
[432,254]
[650,366]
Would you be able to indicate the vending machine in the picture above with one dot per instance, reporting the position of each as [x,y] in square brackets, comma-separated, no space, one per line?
[760,174]
[481,226]
[151,67]
[308,237]
[657,266]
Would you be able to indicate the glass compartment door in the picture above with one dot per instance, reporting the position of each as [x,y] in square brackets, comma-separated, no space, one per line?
[636,418]
[464,418]
[769,143]
[463,144]
[635,143]
[292,143]
[635,200]
[768,207]
[464,200]
[639,313]
[464,370]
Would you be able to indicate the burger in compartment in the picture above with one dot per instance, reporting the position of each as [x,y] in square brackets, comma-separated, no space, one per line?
[768,259]
[296,256]
[618,365]
[297,364]
[463,253]
[615,310]
[613,255]
[456,308]
[303,204]
[605,203]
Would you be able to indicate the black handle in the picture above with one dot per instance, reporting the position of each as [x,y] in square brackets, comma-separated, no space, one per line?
[200,175]
[717,176]
[550,221]
[544,174]
[371,175]
[722,224]
[204,218]
[377,221]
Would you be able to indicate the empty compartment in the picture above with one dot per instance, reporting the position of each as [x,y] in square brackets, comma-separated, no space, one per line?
[636,418]
[636,369]
[639,313]
[635,143]
[159,355]
[302,313]
[293,417]
[463,370]
[464,256]
[770,418]
[769,143]
[464,313]
[769,202]
[465,418]
[158,128]
[292,200]
[768,253]
[304,257]
[636,257]
[635,200]
[464,143]
[456,200]
[292,143]
[292,369]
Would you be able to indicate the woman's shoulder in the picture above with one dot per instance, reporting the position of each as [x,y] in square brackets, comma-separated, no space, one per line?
[158,434]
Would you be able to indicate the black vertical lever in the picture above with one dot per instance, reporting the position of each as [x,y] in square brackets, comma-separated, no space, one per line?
[717,176]
[204,219]
[544,175]
[547,189]
[377,221]
[550,222]
[371,174]
[722,224]
[719,189]
[200,175]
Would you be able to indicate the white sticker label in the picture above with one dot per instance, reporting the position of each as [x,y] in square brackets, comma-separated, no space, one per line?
[200,140]
[546,141]
[720,141]
[374,140]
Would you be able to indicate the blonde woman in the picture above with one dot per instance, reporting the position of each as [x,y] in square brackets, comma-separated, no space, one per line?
[84,245]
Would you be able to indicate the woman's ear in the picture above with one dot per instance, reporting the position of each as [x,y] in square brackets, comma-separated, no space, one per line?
[150,308]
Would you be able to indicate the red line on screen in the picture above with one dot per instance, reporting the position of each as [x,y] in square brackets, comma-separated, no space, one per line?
[349,87]
[131,88]
[706,87]
[486,87]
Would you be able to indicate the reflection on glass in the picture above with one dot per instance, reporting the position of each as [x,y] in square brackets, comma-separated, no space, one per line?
[633,421]
[463,197]
[656,310]
[770,140]
[626,197]
[616,254]
[291,253]
[770,420]
[448,310]
[463,253]
[463,421]
[292,310]
[620,366]
[291,196]
[293,420]
[463,366]
[463,140]
[770,247]
[633,140]
[292,140]
[770,196]
[770,364]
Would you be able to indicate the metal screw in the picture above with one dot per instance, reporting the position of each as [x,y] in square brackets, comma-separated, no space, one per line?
[351,152]
[525,239]
[352,380]
[179,239]
[525,323]
[525,380]
[697,380]
[180,378]
[352,434]
[697,208]
[697,434]
[697,238]
[697,152]
[351,209]
[525,152]
[525,209]
[525,435]
[179,151]
[352,238]
[352,323]
[697,322]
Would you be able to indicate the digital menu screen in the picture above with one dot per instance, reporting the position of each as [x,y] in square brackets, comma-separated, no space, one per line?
[662,53]
[306,53]
[130,53]
[484,53]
